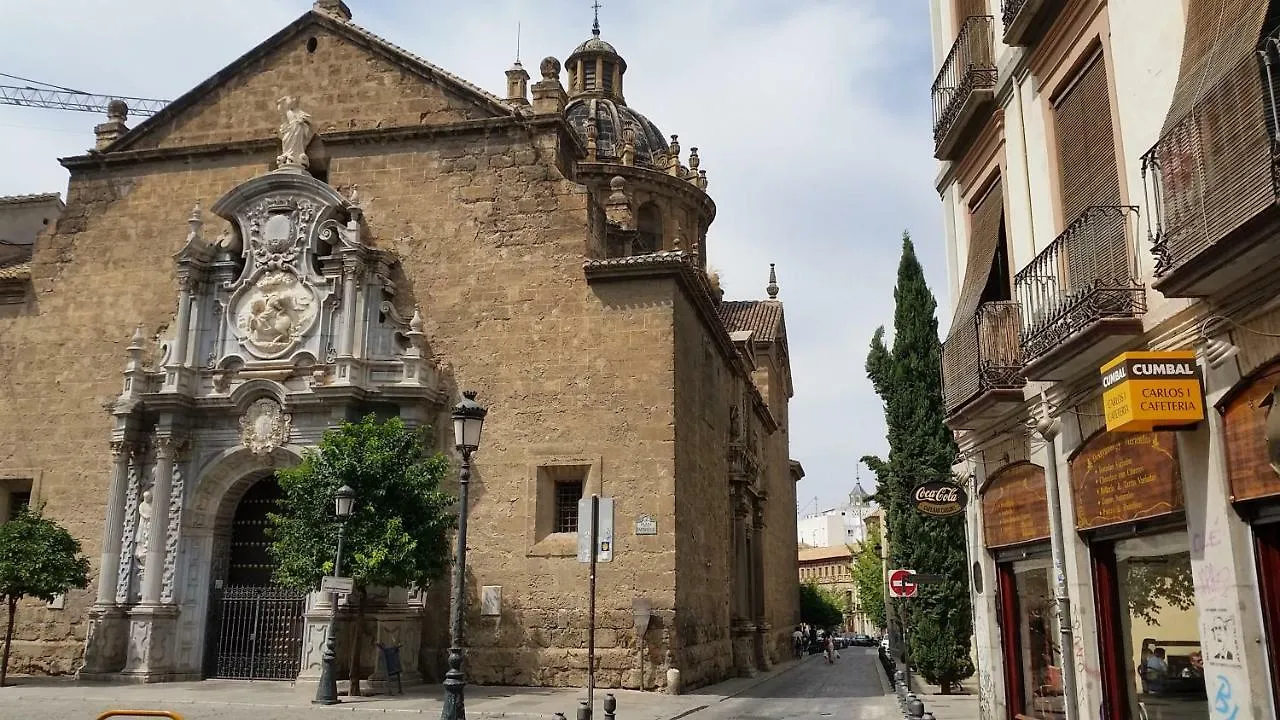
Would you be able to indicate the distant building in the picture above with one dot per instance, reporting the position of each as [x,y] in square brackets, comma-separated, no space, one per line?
[829,568]
[838,526]
[22,219]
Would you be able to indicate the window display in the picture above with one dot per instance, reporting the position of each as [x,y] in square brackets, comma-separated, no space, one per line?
[1040,639]
[1160,628]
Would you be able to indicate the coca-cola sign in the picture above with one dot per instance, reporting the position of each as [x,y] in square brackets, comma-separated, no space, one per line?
[939,499]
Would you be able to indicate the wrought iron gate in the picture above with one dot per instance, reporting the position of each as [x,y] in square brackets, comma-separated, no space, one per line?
[259,632]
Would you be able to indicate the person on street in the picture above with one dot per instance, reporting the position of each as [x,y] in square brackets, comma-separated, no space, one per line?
[830,651]
[797,642]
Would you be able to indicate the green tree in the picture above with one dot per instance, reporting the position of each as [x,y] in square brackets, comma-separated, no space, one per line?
[868,578]
[907,377]
[38,559]
[398,533]
[820,608]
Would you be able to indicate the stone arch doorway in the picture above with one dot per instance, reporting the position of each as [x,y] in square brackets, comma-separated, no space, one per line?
[255,626]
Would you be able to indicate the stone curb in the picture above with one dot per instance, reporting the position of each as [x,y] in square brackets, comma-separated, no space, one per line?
[754,682]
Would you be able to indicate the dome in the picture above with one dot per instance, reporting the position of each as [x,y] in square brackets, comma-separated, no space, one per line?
[594,44]
[611,120]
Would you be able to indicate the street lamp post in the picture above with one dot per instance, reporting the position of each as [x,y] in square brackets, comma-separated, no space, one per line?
[327,691]
[468,421]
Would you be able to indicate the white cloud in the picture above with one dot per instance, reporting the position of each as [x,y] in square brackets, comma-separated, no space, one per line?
[811,119]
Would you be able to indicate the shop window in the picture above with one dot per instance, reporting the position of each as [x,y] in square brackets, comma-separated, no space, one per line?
[1159,628]
[1030,630]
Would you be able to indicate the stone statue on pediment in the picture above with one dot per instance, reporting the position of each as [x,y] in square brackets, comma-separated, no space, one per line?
[295,134]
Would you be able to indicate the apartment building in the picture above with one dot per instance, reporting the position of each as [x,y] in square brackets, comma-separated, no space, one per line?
[1108,172]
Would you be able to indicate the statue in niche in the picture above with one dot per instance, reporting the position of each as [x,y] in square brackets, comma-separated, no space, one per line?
[275,312]
[229,241]
[145,511]
[295,134]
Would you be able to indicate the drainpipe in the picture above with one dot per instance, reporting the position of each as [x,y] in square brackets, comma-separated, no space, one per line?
[1048,427]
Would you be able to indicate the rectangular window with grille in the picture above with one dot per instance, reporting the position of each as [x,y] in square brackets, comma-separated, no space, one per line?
[568,493]
[18,501]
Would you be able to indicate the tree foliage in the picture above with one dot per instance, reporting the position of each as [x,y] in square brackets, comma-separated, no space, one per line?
[868,577]
[1150,585]
[38,559]
[398,533]
[907,377]
[819,607]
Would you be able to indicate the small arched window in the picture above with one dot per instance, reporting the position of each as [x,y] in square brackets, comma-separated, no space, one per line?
[649,227]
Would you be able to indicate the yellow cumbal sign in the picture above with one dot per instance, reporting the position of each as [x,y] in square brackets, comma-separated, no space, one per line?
[1146,390]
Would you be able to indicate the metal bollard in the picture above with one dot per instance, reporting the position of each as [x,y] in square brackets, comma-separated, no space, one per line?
[584,711]
[610,707]
[915,708]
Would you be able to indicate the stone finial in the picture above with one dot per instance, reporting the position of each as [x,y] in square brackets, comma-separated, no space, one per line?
[194,218]
[618,208]
[118,110]
[592,135]
[772,288]
[550,68]
[673,156]
[628,145]
[702,179]
[112,130]
[517,85]
[694,161]
[549,97]
[333,7]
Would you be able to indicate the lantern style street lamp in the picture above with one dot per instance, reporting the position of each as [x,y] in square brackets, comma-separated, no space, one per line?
[344,501]
[468,421]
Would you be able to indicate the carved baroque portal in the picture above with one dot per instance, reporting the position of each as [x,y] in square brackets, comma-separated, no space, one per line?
[264,427]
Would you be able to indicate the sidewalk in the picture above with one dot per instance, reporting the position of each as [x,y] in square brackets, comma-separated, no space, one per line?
[963,706]
[32,698]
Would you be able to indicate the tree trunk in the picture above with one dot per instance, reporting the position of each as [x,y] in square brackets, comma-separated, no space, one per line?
[8,640]
[354,688]
[944,688]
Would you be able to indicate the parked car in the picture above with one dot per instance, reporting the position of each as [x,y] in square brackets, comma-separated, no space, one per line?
[862,640]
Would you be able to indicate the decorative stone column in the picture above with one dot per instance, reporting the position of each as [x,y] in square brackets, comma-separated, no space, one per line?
[742,630]
[763,661]
[152,624]
[108,623]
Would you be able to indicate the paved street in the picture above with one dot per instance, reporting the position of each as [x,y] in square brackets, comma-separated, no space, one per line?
[810,689]
[850,688]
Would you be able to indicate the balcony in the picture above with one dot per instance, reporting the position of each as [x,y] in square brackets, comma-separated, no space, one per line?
[964,91]
[1211,183]
[982,365]
[1082,298]
[1025,20]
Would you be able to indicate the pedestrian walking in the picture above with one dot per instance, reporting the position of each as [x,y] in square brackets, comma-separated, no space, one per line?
[797,642]
[830,651]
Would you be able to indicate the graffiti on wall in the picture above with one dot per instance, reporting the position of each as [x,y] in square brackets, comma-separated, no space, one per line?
[1221,638]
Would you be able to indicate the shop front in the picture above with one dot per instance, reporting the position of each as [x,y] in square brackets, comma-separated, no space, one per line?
[1251,420]
[1016,532]
[1128,499]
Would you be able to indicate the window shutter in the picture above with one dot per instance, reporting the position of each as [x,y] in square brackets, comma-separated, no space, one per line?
[970,8]
[1086,143]
[984,239]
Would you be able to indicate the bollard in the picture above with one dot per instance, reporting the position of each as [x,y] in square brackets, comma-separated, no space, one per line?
[915,708]
[560,716]
[928,716]
[610,707]
[584,711]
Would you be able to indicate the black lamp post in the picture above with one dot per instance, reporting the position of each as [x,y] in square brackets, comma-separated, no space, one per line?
[468,421]
[327,691]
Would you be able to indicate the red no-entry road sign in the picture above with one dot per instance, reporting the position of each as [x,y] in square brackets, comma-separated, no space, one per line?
[902,584]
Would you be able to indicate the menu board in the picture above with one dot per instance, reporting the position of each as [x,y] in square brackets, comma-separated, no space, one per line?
[1014,507]
[1121,477]
[1248,458]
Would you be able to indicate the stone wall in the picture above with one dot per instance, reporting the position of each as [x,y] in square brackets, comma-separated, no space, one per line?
[781,569]
[705,392]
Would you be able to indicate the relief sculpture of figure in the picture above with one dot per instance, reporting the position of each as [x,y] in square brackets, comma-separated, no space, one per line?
[145,511]
[295,133]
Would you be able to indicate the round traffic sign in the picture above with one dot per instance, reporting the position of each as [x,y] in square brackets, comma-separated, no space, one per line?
[902,584]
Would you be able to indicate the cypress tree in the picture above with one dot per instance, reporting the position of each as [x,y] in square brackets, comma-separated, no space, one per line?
[908,379]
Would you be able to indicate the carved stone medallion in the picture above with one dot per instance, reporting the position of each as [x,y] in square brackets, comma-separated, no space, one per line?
[264,427]
[274,313]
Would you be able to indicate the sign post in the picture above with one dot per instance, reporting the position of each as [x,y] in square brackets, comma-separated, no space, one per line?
[595,545]
[902,584]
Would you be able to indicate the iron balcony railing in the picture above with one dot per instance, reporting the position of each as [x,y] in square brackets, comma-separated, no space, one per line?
[1217,167]
[1086,274]
[1009,10]
[969,66]
[982,354]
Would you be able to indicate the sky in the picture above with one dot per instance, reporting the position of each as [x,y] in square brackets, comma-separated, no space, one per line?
[811,117]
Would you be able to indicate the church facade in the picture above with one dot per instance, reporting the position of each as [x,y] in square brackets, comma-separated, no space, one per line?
[332,226]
